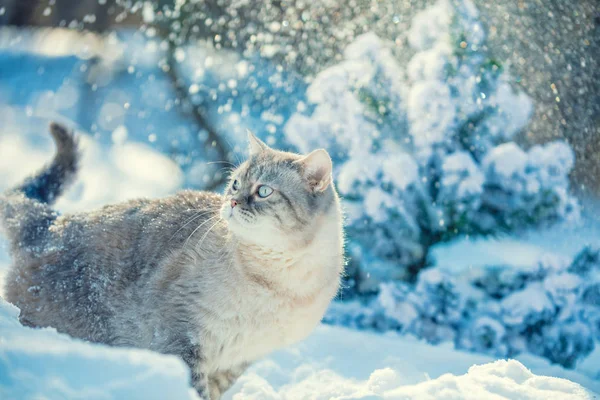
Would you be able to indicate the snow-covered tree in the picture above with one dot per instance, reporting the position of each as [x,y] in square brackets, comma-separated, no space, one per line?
[424,148]
[551,308]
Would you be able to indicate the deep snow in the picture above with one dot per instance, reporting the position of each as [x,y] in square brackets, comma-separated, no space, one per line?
[339,363]
[333,363]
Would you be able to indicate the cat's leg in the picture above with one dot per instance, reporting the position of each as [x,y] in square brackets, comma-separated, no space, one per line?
[200,382]
[193,358]
[221,381]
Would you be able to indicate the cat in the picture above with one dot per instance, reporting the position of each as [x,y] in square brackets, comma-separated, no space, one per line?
[218,280]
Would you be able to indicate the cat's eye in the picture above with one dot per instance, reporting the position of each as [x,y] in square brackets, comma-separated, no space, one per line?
[236,185]
[264,191]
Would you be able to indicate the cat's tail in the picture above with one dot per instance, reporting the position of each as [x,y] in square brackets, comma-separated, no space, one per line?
[25,212]
[50,182]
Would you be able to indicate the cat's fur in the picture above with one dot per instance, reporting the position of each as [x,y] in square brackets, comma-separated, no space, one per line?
[190,275]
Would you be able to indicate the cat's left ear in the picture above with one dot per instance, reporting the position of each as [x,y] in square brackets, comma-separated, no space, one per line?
[317,169]
[255,145]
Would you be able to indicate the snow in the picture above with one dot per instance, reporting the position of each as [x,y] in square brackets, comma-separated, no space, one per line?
[499,380]
[470,254]
[40,363]
[529,306]
[430,25]
[325,366]
[429,64]
[548,307]
[516,109]
[461,176]
[431,111]
[333,363]
[506,160]
[377,202]
[400,171]
[338,121]
[402,312]
[337,115]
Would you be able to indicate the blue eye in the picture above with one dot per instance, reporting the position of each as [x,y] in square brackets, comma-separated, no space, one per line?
[264,191]
[236,185]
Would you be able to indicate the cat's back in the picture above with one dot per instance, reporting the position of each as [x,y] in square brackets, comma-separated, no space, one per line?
[88,262]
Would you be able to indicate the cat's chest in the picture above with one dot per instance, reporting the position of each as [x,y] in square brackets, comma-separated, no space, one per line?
[267,320]
[269,329]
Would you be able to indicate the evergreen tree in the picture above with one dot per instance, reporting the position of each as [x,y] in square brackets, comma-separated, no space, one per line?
[424,148]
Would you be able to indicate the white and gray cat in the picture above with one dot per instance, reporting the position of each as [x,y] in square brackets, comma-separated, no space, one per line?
[219,280]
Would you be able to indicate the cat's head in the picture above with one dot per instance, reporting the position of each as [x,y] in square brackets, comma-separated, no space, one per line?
[278,198]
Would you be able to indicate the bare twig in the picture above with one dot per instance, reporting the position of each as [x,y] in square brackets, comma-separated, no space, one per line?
[213,140]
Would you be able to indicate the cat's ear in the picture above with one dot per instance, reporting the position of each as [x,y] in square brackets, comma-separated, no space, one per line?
[255,145]
[317,169]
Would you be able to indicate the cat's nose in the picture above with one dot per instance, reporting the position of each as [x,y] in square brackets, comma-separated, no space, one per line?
[234,203]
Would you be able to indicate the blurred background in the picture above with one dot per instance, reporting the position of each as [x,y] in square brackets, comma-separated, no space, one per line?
[465,137]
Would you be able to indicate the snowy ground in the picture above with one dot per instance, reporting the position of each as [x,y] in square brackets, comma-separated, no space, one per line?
[333,363]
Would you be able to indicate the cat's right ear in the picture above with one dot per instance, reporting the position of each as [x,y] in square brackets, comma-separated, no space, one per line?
[317,169]
[255,145]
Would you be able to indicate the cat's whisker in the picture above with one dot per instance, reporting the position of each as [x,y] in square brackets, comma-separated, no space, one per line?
[239,160]
[191,219]
[199,246]
[222,162]
[206,208]
[200,226]
[237,156]
[226,169]
[194,217]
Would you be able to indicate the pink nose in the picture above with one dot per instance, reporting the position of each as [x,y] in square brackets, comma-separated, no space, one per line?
[233,203]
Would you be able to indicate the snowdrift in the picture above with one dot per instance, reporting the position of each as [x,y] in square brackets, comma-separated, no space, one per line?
[334,363]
